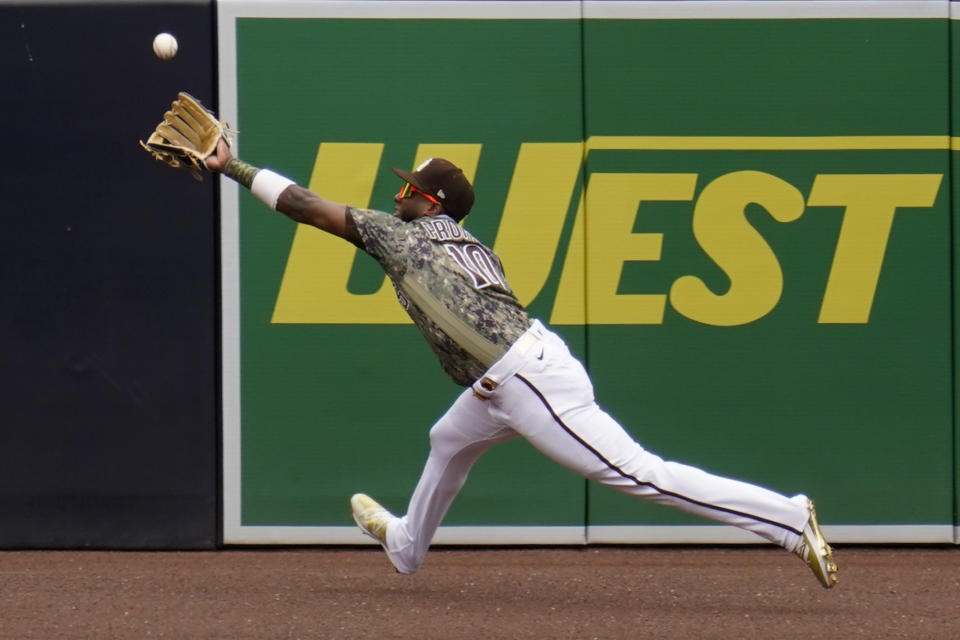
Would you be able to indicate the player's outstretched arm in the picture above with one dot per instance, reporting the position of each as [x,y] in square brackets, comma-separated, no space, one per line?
[281,194]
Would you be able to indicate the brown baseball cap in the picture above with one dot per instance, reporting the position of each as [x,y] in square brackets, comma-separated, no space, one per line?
[444,181]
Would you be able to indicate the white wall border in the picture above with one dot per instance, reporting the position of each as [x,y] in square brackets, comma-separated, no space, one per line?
[714,534]
[405,9]
[765,9]
[229,284]
[576,535]
[574,9]
[448,535]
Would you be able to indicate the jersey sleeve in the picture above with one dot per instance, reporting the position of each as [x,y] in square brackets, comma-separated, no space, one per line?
[384,237]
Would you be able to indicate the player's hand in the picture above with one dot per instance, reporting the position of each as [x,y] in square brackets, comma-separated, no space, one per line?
[217,160]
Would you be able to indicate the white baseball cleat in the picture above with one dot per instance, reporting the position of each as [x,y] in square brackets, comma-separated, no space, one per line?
[373,520]
[814,550]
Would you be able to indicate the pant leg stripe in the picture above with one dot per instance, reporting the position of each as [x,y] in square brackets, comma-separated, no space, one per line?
[636,480]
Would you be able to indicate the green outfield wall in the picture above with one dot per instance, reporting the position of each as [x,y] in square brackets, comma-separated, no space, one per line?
[738,214]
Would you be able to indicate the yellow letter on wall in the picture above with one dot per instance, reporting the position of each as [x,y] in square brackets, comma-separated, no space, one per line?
[536,209]
[314,285]
[722,230]
[611,210]
[870,202]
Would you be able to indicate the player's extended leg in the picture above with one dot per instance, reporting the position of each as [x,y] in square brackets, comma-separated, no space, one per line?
[605,453]
[457,439]
[550,402]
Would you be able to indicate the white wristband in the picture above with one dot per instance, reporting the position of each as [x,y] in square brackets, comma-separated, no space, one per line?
[268,185]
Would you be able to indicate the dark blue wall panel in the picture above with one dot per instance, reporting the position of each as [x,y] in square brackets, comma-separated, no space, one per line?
[108,284]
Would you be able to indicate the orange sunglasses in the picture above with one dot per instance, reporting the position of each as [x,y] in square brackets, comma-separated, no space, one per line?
[407,190]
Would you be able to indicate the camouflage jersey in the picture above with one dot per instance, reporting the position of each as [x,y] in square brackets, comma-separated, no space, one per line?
[459,273]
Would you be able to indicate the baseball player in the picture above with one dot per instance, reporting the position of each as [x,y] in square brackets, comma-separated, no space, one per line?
[519,377]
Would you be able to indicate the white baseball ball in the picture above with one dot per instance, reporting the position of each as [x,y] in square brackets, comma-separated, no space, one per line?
[165,46]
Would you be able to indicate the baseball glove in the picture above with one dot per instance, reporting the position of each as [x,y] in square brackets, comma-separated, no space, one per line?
[188,134]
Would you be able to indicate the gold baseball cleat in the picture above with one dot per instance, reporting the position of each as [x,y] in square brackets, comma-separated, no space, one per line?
[815,551]
[370,517]
[373,520]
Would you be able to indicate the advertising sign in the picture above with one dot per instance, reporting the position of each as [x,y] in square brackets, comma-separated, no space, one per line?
[737,214]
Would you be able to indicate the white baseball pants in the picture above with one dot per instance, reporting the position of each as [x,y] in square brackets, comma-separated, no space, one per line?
[538,390]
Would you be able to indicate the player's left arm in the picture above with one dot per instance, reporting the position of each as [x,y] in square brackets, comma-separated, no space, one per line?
[284,195]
